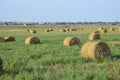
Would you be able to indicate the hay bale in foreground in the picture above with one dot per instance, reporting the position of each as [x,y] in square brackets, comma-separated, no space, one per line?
[9,39]
[2,39]
[32,40]
[1,66]
[94,35]
[95,50]
[70,41]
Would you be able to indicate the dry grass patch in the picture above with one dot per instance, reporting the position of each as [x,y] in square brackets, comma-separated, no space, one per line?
[32,40]
[95,50]
[70,41]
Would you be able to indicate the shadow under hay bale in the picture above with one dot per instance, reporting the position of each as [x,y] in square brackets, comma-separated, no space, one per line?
[1,66]
[9,39]
[2,39]
[32,40]
[95,50]
[94,35]
[70,41]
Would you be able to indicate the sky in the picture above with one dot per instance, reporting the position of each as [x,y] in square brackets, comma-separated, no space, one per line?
[60,10]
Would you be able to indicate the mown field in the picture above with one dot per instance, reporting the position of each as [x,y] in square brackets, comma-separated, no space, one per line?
[50,60]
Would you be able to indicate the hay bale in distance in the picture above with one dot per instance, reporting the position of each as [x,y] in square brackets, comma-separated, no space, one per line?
[104,31]
[94,35]
[32,40]
[67,29]
[9,39]
[50,29]
[112,29]
[47,30]
[1,66]
[2,39]
[32,31]
[70,41]
[95,50]
[62,30]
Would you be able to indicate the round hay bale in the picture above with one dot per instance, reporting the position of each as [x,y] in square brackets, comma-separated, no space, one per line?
[2,39]
[112,29]
[47,30]
[62,30]
[104,31]
[32,31]
[70,41]
[28,30]
[1,66]
[68,29]
[95,50]
[32,40]
[94,35]
[9,39]
[50,29]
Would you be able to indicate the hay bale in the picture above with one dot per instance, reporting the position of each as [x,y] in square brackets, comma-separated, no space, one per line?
[62,30]
[2,39]
[32,40]
[32,31]
[1,66]
[104,31]
[94,35]
[50,29]
[68,29]
[47,30]
[95,50]
[112,29]
[9,39]
[70,41]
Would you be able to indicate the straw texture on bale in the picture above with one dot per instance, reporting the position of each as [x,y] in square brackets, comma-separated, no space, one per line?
[70,41]
[1,68]
[95,50]
[9,39]
[32,40]
[94,35]
[2,39]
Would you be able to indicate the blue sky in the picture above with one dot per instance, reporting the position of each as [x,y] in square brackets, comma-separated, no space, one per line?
[59,10]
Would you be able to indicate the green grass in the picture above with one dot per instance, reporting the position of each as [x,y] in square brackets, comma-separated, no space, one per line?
[50,60]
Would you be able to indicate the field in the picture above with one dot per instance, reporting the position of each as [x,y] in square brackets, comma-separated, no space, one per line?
[50,60]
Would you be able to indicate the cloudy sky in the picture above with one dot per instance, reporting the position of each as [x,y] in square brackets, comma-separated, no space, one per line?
[59,10]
